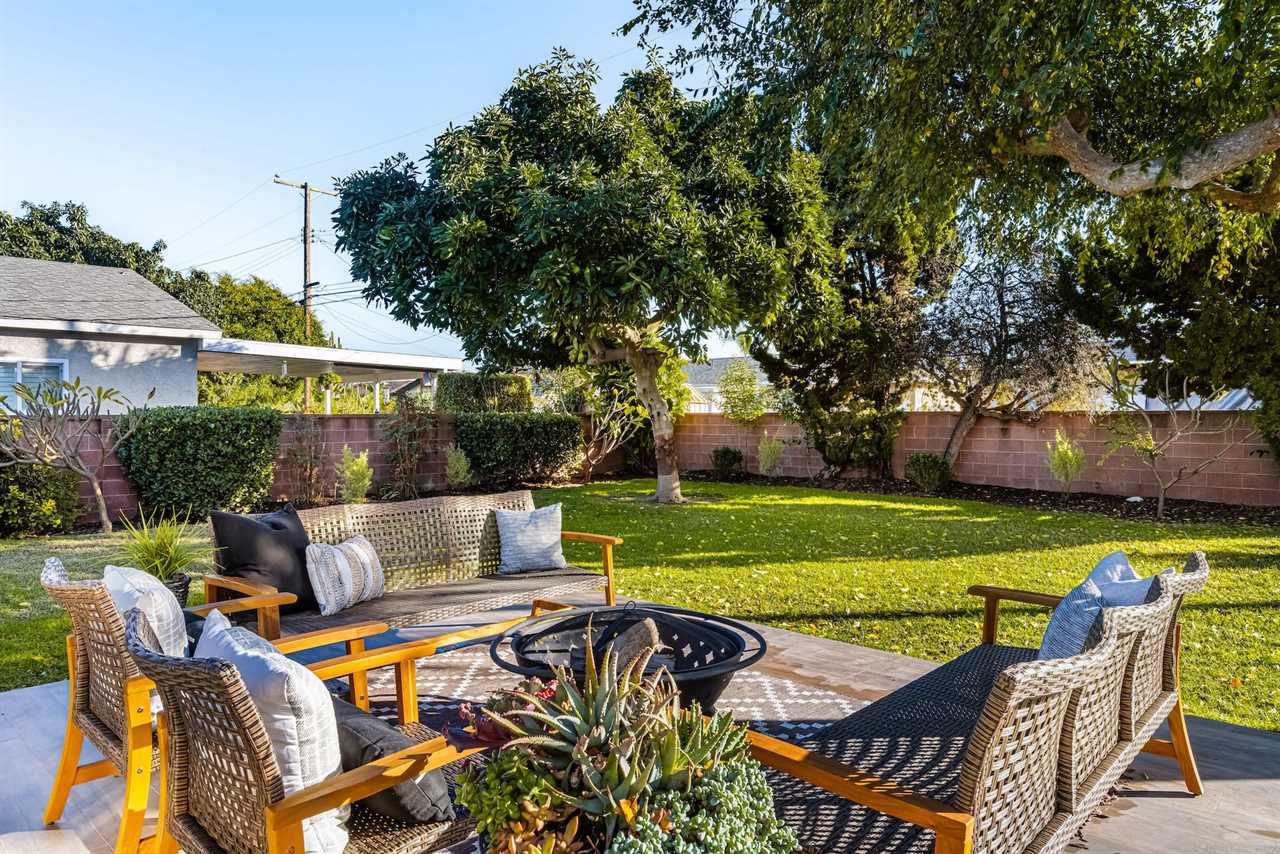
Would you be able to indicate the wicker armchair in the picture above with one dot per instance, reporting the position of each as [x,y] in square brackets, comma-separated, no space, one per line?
[232,799]
[110,702]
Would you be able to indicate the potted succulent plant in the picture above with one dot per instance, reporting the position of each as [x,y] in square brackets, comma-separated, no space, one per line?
[615,766]
[157,545]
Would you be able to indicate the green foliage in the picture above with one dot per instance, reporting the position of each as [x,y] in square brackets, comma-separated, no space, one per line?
[459,392]
[720,814]
[769,453]
[954,103]
[743,398]
[457,468]
[1066,458]
[860,438]
[497,792]
[519,447]
[37,499]
[354,476]
[726,462]
[158,545]
[928,472]
[193,459]
[304,462]
[406,432]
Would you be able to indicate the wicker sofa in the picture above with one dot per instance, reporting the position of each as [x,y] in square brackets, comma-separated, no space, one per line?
[440,556]
[995,751]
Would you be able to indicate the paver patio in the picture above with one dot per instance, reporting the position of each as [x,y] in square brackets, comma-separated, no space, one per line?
[1152,814]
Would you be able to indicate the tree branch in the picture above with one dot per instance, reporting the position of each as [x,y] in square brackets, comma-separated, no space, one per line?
[1197,166]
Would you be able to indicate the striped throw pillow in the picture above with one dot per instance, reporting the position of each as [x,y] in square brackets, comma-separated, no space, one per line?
[345,574]
[1071,626]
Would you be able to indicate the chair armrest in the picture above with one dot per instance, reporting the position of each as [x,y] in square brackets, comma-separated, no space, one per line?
[284,817]
[264,599]
[215,585]
[244,603]
[846,781]
[993,597]
[600,539]
[324,637]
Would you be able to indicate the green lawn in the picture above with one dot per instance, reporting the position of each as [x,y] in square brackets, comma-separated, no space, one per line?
[884,571]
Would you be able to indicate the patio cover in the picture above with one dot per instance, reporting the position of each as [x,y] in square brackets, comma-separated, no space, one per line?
[297,360]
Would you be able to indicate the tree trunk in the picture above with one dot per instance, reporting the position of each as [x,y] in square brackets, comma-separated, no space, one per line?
[104,518]
[968,417]
[645,364]
[1160,505]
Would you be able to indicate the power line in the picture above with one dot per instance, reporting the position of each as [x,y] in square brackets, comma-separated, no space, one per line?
[238,254]
[263,262]
[203,223]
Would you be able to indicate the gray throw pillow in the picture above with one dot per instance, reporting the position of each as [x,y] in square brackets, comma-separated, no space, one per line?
[530,539]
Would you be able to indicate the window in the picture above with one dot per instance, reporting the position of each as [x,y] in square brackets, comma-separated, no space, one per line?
[29,372]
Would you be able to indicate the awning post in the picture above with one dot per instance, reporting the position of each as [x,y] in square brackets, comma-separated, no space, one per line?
[377,398]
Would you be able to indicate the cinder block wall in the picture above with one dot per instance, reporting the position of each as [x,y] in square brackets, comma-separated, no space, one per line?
[1003,453]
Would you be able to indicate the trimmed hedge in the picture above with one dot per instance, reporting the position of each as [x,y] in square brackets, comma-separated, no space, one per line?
[37,499]
[194,459]
[483,393]
[506,447]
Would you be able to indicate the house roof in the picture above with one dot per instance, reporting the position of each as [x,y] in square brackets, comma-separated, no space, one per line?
[60,296]
[707,374]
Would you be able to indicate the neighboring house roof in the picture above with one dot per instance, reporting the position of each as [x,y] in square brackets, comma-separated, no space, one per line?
[59,296]
[707,375]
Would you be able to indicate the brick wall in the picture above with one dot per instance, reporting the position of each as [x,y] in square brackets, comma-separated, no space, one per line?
[1013,454]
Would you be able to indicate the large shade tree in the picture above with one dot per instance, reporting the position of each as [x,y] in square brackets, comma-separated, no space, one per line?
[549,232]
[1164,111]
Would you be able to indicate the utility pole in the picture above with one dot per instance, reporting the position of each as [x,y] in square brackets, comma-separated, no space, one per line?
[307,282]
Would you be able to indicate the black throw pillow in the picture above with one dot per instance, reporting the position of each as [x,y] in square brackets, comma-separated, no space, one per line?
[363,738]
[266,548]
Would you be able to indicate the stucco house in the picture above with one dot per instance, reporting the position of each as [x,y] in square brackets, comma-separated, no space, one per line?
[112,327]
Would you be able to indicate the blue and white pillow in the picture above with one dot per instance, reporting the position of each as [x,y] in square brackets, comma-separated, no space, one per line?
[1119,582]
[1072,622]
[530,539]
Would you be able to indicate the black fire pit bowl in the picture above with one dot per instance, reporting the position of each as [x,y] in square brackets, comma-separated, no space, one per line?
[701,651]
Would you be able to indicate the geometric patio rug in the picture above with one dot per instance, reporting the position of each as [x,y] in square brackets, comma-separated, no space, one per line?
[777,707]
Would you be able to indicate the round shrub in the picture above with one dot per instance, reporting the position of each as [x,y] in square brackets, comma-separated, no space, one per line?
[929,472]
[483,393]
[37,499]
[194,459]
[507,447]
[726,462]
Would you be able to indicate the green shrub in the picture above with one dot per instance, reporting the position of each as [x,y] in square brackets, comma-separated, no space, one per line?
[769,453]
[743,398]
[505,447]
[483,393]
[406,433]
[192,459]
[354,476]
[726,462]
[1066,459]
[929,472]
[37,499]
[457,468]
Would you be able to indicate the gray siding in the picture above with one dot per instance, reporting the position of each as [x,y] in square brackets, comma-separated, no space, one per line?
[133,366]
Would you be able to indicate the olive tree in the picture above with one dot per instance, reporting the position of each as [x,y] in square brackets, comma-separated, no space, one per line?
[548,232]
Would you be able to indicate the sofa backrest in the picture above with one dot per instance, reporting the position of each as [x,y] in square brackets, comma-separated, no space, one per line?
[1009,779]
[424,541]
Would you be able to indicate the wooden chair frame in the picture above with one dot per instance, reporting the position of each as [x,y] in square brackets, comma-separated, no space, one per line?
[606,544]
[1177,747]
[284,818]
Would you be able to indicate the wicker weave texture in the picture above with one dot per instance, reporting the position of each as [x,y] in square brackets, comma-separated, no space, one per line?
[103,665]
[425,541]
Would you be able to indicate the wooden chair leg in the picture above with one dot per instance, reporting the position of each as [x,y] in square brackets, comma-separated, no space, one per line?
[163,842]
[955,839]
[139,753]
[359,693]
[72,742]
[1182,750]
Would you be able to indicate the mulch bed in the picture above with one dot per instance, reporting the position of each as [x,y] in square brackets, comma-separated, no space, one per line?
[1116,506]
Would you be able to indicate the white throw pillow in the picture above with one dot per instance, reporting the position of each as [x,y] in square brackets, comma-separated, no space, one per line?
[1072,622]
[298,716]
[345,574]
[132,588]
[530,539]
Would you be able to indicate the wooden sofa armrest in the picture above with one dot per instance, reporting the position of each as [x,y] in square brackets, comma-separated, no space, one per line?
[991,606]
[284,818]
[324,637]
[217,586]
[606,544]
[953,829]
[251,597]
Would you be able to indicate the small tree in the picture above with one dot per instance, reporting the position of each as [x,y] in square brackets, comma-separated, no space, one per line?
[305,461]
[354,476]
[768,453]
[1066,459]
[1134,426]
[58,423]
[1003,344]
[406,433]
[743,398]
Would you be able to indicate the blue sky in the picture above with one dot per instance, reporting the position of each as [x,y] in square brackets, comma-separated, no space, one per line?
[169,119]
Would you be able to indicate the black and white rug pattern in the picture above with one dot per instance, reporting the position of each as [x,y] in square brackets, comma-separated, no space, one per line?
[775,706]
